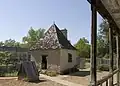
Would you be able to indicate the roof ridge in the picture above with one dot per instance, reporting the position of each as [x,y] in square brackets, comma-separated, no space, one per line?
[57,33]
[63,36]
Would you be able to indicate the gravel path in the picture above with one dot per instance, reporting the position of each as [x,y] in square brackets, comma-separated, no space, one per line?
[61,81]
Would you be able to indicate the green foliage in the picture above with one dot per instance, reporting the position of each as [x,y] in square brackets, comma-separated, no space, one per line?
[8,70]
[24,45]
[4,57]
[1,43]
[8,74]
[11,43]
[11,74]
[103,39]
[103,31]
[105,68]
[102,48]
[83,47]
[33,36]
[7,58]
[106,56]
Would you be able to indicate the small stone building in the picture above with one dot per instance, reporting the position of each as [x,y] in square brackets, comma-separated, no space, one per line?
[54,51]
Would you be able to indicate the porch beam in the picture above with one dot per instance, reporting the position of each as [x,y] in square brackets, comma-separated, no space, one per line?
[111,54]
[93,44]
[118,58]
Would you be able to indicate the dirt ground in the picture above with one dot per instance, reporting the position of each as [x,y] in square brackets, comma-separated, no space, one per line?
[79,80]
[15,82]
[83,77]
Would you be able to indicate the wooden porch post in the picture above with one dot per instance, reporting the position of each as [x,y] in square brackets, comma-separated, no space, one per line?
[118,57]
[93,44]
[111,54]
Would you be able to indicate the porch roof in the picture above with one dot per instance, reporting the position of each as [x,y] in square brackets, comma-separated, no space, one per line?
[110,10]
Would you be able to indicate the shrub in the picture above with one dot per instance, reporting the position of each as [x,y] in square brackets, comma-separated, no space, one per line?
[2,73]
[103,68]
[43,71]
[8,71]
[11,74]
[51,73]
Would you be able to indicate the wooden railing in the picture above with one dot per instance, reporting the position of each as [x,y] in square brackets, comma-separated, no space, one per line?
[106,78]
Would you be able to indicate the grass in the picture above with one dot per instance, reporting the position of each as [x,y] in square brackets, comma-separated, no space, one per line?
[50,73]
[8,74]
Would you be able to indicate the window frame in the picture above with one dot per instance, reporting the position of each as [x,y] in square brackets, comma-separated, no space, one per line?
[69,57]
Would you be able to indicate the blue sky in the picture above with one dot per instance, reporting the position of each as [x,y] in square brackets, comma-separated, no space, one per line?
[17,16]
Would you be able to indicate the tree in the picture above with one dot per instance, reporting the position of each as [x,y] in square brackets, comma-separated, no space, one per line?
[1,43]
[103,39]
[83,47]
[103,31]
[5,57]
[33,36]
[11,43]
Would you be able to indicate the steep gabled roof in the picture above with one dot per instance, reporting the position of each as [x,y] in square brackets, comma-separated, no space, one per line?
[53,39]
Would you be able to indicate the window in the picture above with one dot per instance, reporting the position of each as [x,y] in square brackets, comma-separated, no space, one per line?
[69,57]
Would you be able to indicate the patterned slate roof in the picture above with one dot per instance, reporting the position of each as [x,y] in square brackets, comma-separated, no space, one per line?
[53,39]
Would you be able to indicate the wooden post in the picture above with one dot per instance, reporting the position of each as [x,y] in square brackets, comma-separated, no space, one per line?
[111,54]
[118,58]
[93,45]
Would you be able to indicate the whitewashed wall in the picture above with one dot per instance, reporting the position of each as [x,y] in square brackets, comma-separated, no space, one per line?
[53,58]
[64,64]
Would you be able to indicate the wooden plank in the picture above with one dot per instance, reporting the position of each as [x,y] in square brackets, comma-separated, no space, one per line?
[105,14]
[93,45]
[105,78]
[118,58]
[107,83]
[111,54]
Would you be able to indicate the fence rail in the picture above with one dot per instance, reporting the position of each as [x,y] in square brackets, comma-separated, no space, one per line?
[106,78]
[104,61]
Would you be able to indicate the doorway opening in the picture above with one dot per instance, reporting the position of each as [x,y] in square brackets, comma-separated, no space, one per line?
[44,61]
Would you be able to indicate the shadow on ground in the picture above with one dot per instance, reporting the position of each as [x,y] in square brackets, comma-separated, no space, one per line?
[80,73]
[39,81]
